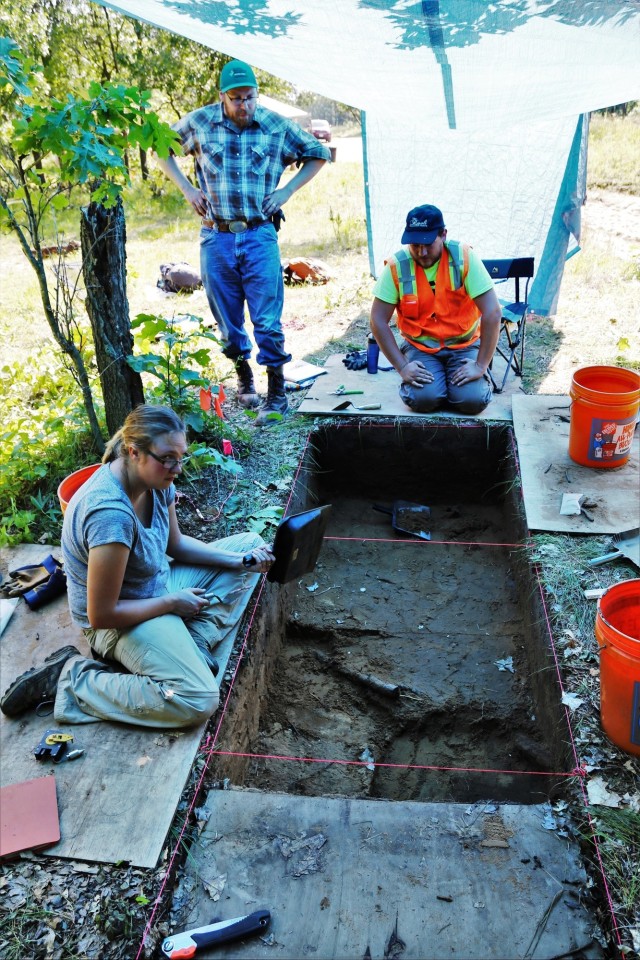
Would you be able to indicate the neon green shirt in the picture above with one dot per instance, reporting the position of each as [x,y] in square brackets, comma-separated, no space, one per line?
[477,281]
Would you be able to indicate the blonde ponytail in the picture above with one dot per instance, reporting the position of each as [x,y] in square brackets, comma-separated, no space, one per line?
[143,425]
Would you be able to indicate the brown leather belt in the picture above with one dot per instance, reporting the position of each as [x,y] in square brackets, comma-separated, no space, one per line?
[232,226]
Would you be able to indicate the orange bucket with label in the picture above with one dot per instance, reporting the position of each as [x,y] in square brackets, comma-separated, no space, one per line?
[604,411]
[73,482]
[618,636]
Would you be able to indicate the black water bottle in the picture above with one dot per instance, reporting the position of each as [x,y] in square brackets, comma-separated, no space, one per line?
[373,352]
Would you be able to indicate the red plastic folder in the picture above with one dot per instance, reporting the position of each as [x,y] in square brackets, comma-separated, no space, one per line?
[28,816]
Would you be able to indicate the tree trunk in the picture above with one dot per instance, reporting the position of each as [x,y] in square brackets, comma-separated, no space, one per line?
[144,166]
[103,235]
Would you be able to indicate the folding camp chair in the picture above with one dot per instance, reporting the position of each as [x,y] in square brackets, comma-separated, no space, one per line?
[514,314]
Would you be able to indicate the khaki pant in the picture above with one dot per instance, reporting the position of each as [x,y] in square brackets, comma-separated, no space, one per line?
[170,683]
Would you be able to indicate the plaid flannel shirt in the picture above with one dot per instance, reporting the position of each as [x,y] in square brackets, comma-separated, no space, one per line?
[236,168]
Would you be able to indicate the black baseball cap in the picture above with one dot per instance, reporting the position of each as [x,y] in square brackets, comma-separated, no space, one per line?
[423,225]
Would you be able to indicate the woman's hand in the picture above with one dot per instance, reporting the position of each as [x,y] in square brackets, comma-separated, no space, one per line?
[189,602]
[263,558]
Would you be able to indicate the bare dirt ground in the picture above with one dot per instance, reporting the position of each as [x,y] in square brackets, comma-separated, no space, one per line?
[369,666]
[615,218]
[593,315]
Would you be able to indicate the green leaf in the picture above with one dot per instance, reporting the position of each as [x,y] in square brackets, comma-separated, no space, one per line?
[273,514]
[147,363]
[194,419]
[202,356]
[60,201]
[192,377]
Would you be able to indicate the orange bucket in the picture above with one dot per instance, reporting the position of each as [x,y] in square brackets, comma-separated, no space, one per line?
[618,636]
[604,410]
[73,482]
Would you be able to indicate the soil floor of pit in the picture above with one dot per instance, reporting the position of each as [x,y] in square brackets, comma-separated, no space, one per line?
[386,658]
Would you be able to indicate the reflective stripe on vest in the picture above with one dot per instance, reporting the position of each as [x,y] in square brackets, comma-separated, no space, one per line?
[459,322]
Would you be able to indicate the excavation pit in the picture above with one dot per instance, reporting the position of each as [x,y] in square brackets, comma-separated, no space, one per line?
[387,782]
[401,668]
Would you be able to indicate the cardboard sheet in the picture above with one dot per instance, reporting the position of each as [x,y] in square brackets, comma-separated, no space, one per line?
[541,425]
[382,388]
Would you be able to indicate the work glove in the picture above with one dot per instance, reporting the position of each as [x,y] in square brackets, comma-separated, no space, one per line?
[45,592]
[355,360]
[27,578]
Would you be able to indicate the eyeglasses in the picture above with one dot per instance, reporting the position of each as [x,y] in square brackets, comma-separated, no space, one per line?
[249,99]
[169,463]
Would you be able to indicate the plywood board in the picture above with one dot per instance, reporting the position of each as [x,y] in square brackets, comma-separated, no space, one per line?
[351,878]
[117,801]
[382,388]
[541,425]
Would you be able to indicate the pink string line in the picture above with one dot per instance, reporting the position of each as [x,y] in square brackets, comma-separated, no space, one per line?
[579,767]
[398,766]
[430,426]
[426,543]
[208,745]
[210,741]
[172,858]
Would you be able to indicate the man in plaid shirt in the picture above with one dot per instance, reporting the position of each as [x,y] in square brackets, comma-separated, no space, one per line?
[240,151]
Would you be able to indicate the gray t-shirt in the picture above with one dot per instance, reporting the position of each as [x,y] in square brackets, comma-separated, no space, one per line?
[101,512]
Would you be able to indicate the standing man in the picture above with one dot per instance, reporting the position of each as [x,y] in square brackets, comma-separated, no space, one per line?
[447,312]
[241,150]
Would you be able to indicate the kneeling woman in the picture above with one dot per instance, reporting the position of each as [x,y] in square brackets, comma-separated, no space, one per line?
[146,595]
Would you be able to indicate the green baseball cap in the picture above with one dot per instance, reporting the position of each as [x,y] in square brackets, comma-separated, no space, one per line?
[236,74]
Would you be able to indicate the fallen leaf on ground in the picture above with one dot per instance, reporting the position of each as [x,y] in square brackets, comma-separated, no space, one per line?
[506,664]
[572,700]
[600,795]
[215,887]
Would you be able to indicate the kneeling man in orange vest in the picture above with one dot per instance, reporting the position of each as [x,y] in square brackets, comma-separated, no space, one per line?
[447,312]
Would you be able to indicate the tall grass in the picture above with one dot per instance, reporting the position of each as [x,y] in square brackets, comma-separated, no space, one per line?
[614,148]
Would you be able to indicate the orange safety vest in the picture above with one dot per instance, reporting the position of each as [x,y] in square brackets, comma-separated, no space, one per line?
[447,318]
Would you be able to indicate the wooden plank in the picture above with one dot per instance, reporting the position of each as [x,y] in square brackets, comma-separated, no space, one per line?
[342,878]
[541,425]
[116,802]
[382,388]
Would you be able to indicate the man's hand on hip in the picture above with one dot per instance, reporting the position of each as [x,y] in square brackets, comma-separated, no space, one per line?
[466,372]
[196,199]
[273,201]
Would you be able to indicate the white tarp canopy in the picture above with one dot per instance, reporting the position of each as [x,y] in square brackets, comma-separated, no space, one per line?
[473,105]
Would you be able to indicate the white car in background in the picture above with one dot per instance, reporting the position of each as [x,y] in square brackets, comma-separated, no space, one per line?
[321,130]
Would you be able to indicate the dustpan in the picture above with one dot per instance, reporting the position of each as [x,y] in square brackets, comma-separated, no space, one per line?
[627,545]
[407,517]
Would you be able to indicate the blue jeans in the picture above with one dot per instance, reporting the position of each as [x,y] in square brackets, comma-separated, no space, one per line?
[470,397]
[245,267]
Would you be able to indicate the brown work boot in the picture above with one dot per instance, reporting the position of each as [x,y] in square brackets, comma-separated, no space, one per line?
[275,404]
[247,393]
[36,685]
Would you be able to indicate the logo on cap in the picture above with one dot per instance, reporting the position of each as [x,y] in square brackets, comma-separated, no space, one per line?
[423,224]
